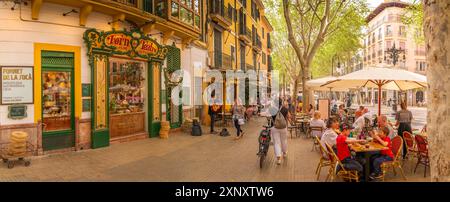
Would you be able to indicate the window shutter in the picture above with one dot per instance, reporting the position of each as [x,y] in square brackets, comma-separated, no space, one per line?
[173,59]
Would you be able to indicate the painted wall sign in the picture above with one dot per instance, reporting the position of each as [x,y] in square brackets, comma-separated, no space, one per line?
[17,85]
[17,112]
[133,44]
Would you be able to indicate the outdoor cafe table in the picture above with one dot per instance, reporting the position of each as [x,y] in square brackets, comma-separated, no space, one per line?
[302,123]
[373,147]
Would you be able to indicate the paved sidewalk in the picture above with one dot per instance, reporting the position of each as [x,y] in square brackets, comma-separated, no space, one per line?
[181,158]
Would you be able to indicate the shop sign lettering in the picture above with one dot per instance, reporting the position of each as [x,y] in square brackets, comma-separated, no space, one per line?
[17,85]
[120,42]
[147,47]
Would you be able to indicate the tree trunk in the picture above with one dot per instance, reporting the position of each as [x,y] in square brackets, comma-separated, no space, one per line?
[306,92]
[436,29]
[294,90]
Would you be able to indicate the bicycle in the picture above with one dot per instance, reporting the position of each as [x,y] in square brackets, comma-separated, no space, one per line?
[264,142]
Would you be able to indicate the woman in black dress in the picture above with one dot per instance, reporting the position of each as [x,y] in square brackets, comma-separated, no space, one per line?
[404,118]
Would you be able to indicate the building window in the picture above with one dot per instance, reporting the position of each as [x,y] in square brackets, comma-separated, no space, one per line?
[263,33]
[379,34]
[264,58]
[244,3]
[217,48]
[242,56]
[388,44]
[388,30]
[421,66]
[233,55]
[187,11]
[402,31]
[403,46]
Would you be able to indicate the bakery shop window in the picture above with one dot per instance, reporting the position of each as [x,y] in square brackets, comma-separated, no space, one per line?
[57,107]
[127,92]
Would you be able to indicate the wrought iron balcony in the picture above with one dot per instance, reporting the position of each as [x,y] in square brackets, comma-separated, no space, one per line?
[269,64]
[257,45]
[222,61]
[132,3]
[219,13]
[245,34]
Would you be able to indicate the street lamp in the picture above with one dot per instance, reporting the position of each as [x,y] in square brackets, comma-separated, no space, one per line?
[394,54]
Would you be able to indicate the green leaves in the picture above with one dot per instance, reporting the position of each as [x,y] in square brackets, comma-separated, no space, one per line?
[413,17]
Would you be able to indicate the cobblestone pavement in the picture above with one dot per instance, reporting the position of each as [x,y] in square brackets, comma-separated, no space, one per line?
[182,158]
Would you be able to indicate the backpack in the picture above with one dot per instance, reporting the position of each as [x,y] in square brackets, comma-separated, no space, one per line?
[224,133]
[280,121]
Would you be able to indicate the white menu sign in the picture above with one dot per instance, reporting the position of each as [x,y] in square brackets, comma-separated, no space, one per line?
[17,85]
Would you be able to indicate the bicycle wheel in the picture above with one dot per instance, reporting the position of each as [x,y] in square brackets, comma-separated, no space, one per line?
[261,160]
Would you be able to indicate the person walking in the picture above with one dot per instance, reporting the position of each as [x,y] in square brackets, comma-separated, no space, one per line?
[279,132]
[238,118]
[404,118]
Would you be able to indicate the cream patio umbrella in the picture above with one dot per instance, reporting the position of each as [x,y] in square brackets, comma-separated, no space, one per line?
[316,84]
[381,78]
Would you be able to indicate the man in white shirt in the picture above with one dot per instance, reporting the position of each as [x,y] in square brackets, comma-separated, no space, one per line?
[360,122]
[330,135]
[382,122]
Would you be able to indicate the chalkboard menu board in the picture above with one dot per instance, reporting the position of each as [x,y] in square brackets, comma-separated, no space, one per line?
[86,90]
[17,112]
[86,105]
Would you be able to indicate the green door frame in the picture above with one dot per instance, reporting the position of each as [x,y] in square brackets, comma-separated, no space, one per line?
[100,137]
[61,133]
[153,125]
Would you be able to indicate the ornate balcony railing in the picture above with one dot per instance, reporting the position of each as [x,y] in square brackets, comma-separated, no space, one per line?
[133,3]
[245,33]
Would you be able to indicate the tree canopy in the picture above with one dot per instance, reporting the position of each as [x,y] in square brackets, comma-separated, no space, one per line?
[343,36]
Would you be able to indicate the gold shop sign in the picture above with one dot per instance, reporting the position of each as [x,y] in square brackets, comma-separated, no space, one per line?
[133,44]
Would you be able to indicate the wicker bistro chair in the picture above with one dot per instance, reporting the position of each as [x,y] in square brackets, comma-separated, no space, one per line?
[397,145]
[324,162]
[350,175]
[410,144]
[292,127]
[422,153]
[316,143]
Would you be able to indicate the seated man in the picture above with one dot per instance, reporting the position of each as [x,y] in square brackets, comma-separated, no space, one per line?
[359,112]
[382,122]
[343,152]
[385,155]
[330,134]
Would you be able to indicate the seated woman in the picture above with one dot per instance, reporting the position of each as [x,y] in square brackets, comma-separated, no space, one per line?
[316,121]
[385,155]
[343,152]
[299,107]
[311,110]
[359,112]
